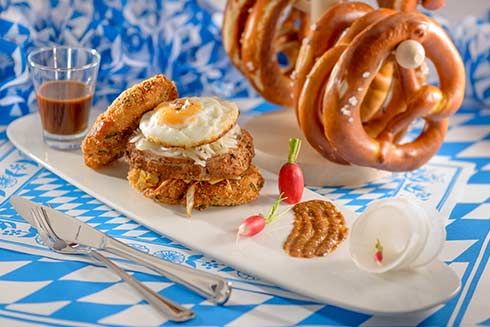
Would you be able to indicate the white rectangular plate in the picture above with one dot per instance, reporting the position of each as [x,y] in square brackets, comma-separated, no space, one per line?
[333,279]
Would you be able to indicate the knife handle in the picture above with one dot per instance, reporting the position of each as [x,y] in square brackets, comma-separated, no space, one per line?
[212,287]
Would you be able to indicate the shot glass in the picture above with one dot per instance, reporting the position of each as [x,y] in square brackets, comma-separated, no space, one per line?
[64,80]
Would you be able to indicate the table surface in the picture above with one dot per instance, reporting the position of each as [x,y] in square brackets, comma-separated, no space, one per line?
[40,287]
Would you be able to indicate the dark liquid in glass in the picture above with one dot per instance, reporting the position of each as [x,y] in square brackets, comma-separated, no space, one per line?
[64,106]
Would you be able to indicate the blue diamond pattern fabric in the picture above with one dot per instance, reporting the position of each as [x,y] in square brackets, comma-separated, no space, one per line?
[182,40]
[68,288]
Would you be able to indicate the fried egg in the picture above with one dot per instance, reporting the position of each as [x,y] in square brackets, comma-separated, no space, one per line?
[189,122]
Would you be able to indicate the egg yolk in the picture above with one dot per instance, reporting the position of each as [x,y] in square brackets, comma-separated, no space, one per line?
[178,112]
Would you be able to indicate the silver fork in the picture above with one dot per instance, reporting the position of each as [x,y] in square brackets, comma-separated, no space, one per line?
[172,310]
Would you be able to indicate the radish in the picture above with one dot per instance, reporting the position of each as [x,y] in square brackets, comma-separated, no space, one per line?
[252,225]
[378,255]
[291,181]
[256,223]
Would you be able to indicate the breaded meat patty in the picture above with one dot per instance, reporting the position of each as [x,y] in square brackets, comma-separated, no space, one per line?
[226,165]
[107,139]
[227,192]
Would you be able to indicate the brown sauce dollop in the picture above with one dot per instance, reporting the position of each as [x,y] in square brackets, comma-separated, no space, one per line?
[319,228]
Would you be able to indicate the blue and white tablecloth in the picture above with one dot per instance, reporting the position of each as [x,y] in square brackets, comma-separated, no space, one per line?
[179,38]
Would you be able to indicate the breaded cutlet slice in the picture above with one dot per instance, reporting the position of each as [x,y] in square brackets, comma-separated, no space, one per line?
[228,192]
[107,139]
[226,165]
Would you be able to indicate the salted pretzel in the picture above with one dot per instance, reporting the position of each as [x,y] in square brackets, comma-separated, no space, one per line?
[410,5]
[316,62]
[323,35]
[341,108]
[344,109]
[347,19]
[357,85]
[254,33]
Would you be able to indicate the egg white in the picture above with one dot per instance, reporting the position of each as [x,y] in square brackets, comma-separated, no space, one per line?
[215,118]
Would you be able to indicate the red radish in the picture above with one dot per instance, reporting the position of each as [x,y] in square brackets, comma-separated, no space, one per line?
[255,224]
[291,181]
[378,256]
[252,225]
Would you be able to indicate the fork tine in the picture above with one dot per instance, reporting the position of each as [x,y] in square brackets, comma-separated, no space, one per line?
[44,227]
[39,225]
[47,225]
[39,220]
[42,217]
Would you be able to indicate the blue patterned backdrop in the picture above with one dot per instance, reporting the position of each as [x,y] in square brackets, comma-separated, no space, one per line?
[140,38]
[136,39]
[472,38]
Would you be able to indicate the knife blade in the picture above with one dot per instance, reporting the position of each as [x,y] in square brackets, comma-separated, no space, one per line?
[65,226]
[215,288]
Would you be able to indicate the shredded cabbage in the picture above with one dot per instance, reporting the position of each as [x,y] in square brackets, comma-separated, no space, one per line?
[199,154]
[189,199]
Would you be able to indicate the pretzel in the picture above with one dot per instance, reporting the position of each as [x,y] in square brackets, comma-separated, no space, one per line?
[287,41]
[254,32]
[310,81]
[234,20]
[410,5]
[323,35]
[360,75]
[329,27]
[341,109]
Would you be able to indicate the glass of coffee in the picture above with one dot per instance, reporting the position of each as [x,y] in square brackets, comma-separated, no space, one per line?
[64,79]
